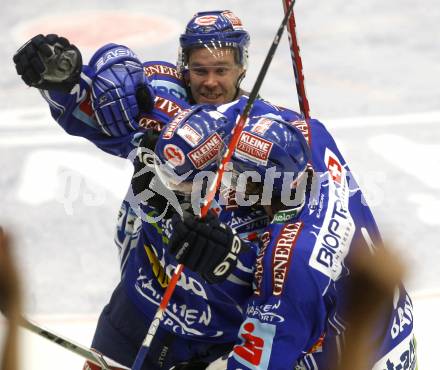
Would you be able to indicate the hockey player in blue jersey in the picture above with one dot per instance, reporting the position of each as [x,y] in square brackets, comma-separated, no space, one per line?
[109,100]
[295,317]
[206,313]
[103,103]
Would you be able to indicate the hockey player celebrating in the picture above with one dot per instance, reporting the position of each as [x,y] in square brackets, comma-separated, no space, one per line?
[295,317]
[111,102]
[214,69]
[113,97]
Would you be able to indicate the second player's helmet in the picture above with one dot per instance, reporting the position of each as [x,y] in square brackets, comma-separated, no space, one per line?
[214,29]
[268,143]
[192,142]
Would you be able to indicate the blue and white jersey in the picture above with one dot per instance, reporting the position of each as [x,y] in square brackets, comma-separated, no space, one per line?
[74,113]
[196,310]
[292,316]
[294,319]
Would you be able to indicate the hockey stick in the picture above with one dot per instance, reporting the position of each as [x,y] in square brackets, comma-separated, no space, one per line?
[297,62]
[236,132]
[241,119]
[90,355]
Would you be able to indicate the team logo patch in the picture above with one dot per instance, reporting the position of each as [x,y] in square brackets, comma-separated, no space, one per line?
[174,155]
[206,152]
[282,254]
[206,20]
[254,148]
[235,21]
[262,125]
[171,127]
[189,134]
[335,169]
[257,339]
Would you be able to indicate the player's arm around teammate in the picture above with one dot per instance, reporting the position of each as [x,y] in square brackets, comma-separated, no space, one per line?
[297,314]
[100,101]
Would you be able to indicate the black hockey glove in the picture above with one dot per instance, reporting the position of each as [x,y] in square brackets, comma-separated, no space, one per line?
[144,176]
[205,246]
[49,63]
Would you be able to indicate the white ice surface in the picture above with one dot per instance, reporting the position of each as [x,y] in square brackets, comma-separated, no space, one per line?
[372,75]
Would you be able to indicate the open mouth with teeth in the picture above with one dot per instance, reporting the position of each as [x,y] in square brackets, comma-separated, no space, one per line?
[210,96]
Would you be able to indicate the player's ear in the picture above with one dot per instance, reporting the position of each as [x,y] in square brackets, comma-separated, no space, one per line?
[241,76]
[186,77]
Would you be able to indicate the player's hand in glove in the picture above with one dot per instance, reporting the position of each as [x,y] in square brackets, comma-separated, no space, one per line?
[205,246]
[120,90]
[49,63]
[144,182]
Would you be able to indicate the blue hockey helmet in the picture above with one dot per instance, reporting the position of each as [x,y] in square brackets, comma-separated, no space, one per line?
[193,141]
[214,29]
[268,143]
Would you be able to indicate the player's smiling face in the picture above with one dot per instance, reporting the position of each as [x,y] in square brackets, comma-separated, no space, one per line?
[213,75]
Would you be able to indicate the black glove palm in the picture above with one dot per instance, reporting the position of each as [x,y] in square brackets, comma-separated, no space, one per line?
[49,63]
[205,246]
